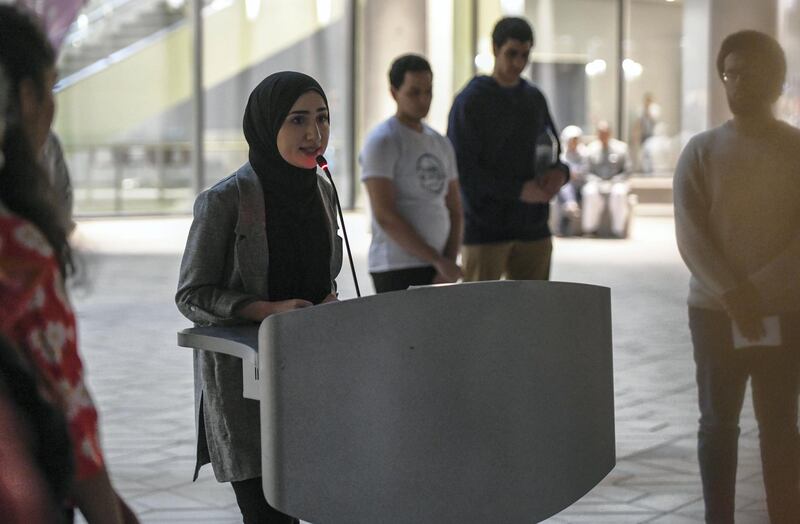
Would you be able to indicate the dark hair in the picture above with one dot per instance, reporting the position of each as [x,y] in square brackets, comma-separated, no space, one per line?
[512,27]
[761,46]
[404,64]
[25,51]
[25,187]
[25,386]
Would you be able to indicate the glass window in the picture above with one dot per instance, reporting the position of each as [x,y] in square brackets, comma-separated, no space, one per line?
[574,57]
[123,67]
[576,63]
[249,40]
[125,92]
[652,70]
[789,35]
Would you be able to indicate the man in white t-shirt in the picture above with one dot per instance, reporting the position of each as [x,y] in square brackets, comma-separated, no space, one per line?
[410,174]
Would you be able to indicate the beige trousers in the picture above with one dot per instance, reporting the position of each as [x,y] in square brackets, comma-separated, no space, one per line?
[515,260]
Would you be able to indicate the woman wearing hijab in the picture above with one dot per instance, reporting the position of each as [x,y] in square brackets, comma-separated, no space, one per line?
[263,241]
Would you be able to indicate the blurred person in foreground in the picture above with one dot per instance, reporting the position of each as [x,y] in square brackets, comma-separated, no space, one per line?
[36,465]
[508,152]
[737,210]
[410,174]
[37,316]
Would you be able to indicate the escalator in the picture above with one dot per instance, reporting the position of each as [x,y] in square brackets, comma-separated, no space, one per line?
[124,92]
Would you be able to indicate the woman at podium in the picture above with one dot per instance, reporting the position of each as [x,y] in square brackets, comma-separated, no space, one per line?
[263,241]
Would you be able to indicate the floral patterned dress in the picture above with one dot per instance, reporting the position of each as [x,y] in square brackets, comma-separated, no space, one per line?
[35,314]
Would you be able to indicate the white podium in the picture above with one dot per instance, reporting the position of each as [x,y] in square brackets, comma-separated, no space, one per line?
[480,402]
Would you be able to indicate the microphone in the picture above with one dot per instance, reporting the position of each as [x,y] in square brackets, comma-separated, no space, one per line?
[323,164]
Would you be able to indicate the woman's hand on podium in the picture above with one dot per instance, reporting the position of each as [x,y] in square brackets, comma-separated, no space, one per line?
[261,309]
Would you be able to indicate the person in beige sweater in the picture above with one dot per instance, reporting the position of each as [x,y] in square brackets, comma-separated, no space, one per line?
[737,212]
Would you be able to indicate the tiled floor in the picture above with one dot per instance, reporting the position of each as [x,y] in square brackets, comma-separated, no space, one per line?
[143,382]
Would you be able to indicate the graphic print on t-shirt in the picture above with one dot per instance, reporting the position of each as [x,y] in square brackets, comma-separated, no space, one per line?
[430,172]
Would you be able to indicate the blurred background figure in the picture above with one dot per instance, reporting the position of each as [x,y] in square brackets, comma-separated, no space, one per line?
[659,152]
[644,127]
[648,118]
[606,185]
[567,212]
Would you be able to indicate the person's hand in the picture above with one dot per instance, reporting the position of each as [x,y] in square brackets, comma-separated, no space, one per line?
[447,271]
[282,306]
[571,209]
[743,305]
[261,309]
[533,193]
[542,189]
[330,298]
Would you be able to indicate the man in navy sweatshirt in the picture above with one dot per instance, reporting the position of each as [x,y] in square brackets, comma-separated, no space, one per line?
[507,152]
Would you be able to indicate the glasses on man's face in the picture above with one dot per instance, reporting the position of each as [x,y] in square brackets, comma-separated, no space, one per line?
[738,75]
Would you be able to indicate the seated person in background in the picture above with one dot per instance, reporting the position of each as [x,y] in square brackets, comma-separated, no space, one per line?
[657,155]
[35,312]
[412,182]
[609,166]
[569,196]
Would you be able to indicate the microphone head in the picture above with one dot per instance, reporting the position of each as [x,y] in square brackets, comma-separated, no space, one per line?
[321,162]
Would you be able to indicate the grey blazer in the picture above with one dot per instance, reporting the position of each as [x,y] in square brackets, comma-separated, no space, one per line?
[224,267]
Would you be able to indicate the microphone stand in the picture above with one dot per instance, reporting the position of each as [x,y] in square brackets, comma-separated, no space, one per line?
[323,164]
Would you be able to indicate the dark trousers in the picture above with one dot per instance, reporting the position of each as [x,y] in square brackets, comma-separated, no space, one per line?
[722,373]
[400,279]
[253,505]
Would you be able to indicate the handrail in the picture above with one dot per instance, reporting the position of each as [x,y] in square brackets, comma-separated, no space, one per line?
[115,57]
[211,6]
[102,11]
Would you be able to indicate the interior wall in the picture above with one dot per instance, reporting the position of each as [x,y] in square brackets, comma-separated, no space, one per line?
[391,29]
[580,31]
[730,16]
[440,53]
[695,59]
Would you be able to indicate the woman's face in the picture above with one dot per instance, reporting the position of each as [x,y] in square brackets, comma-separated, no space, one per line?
[305,132]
